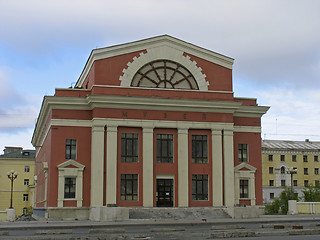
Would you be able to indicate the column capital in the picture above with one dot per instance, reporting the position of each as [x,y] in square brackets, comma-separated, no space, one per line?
[216,131]
[147,129]
[183,131]
[228,132]
[112,128]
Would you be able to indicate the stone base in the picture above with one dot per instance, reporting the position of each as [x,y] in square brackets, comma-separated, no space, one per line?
[248,211]
[11,214]
[109,214]
[61,213]
[292,207]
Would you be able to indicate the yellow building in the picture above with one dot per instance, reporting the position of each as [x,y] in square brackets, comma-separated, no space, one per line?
[22,162]
[283,159]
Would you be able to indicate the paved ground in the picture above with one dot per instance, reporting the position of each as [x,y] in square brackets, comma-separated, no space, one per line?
[164,229]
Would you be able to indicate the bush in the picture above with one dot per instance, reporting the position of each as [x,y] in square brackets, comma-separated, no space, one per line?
[312,194]
[280,204]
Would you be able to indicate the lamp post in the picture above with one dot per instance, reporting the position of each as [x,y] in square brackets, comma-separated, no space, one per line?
[12,175]
[292,171]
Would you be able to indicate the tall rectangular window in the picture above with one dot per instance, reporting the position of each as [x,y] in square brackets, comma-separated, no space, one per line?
[199,187]
[69,187]
[129,187]
[270,170]
[316,158]
[316,171]
[199,149]
[294,158]
[305,158]
[295,183]
[283,183]
[244,188]
[305,171]
[165,148]
[71,149]
[271,183]
[306,183]
[26,182]
[243,152]
[270,158]
[271,195]
[26,168]
[25,197]
[282,158]
[129,147]
[316,183]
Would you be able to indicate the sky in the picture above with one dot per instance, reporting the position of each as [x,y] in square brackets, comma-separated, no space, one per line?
[44,44]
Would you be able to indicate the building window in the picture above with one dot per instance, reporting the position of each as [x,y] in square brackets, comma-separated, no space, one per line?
[26,168]
[243,152]
[316,171]
[272,195]
[69,187]
[317,183]
[71,149]
[129,147]
[282,158]
[316,158]
[283,183]
[244,188]
[305,158]
[270,170]
[295,183]
[26,182]
[271,183]
[199,187]
[129,187]
[305,171]
[282,170]
[199,149]
[306,183]
[270,157]
[25,197]
[294,158]
[165,148]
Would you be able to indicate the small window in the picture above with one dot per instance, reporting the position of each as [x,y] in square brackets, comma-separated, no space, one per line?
[69,187]
[26,168]
[129,147]
[305,158]
[271,183]
[294,158]
[129,187]
[282,170]
[199,187]
[270,157]
[25,197]
[199,149]
[306,183]
[26,182]
[244,188]
[71,149]
[164,148]
[316,158]
[316,171]
[272,195]
[295,183]
[282,158]
[26,153]
[305,171]
[243,152]
[283,183]
[270,170]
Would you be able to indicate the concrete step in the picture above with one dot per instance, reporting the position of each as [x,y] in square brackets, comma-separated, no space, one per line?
[199,213]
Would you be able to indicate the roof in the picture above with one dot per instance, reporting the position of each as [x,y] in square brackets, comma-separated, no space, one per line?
[20,154]
[290,145]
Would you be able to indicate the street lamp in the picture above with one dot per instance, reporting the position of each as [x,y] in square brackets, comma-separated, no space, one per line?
[292,171]
[12,175]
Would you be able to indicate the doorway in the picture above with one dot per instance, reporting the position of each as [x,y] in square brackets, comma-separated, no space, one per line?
[164,192]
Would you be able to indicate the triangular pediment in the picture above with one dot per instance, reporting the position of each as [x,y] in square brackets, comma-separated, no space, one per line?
[71,164]
[244,167]
[145,45]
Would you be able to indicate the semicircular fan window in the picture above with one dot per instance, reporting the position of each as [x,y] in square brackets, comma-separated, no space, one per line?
[164,74]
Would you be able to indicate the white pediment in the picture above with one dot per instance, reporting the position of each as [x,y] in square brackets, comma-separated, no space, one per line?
[71,163]
[245,166]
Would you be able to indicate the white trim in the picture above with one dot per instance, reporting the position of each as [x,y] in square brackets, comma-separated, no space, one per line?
[163,53]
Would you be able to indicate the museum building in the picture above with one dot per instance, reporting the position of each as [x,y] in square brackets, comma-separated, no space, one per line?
[150,123]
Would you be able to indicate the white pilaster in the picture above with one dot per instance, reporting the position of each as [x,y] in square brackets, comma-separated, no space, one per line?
[228,168]
[217,178]
[183,186]
[97,164]
[252,189]
[111,191]
[147,146]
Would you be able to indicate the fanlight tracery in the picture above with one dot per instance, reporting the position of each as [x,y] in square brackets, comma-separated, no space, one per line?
[164,74]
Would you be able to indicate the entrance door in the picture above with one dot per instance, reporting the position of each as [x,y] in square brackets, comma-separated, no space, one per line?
[164,192]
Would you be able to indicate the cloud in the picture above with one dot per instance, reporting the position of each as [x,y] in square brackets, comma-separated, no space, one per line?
[21,138]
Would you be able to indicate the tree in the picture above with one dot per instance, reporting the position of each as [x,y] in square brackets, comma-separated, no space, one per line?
[312,194]
[280,204]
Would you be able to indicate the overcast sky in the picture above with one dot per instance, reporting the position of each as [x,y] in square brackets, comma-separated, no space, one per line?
[275,43]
